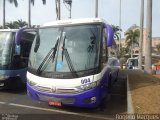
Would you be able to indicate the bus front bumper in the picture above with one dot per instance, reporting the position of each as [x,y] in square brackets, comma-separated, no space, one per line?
[90,98]
[12,78]
[11,82]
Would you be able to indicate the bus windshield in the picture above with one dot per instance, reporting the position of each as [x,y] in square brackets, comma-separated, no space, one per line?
[66,49]
[6,40]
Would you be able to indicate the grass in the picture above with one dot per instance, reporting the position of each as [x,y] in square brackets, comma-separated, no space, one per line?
[145,91]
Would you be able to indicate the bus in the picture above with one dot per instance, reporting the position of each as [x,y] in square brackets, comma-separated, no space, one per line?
[14,53]
[68,63]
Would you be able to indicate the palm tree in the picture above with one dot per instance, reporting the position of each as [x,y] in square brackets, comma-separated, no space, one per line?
[158,48]
[58,9]
[141,36]
[148,43]
[4,9]
[11,25]
[132,38]
[123,51]
[16,24]
[116,30]
[20,23]
[29,10]
[96,8]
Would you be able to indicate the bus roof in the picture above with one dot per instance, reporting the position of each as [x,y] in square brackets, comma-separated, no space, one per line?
[74,21]
[8,30]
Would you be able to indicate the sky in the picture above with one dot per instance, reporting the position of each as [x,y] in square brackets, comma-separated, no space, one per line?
[108,10]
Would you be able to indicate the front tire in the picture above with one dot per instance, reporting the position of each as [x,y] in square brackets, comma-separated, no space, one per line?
[109,84]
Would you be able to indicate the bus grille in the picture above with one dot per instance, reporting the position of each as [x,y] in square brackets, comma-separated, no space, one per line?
[68,100]
[66,90]
[58,90]
[43,89]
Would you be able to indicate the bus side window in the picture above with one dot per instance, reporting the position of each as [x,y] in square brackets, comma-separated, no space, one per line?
[104,56]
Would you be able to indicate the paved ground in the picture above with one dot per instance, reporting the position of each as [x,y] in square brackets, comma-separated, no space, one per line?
[16,104]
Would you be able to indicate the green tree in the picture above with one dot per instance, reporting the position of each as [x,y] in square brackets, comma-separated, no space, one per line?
[116,30]
[15,2]
[11,25]
[20,23]
[16,24]
[132,37]
[29,10]
[158,47]
[123,51]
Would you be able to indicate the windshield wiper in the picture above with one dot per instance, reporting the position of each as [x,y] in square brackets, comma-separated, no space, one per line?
[68,59]
[50,56]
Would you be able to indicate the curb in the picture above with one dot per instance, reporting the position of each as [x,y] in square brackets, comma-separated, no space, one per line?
[130,109]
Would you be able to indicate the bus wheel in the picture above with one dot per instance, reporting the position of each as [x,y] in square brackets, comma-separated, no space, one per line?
[102,105]
[104,101]
[109,84]
[116,77]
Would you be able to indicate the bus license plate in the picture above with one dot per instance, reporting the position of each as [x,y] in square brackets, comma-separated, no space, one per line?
[54,103]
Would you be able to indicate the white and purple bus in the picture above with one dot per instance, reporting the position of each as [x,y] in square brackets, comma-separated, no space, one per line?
[67,63]
[15,46]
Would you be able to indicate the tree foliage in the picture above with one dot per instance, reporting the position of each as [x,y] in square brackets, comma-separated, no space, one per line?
[116,30]
[20,23]
[15,2]
[123,51]
[33,1]
[10,25]
[158,47]
[16,24]
[132,37]
[29,10]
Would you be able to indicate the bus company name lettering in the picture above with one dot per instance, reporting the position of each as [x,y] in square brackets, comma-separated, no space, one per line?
[86,80]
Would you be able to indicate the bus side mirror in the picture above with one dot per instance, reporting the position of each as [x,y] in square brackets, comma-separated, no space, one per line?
[17,41]
[109,35]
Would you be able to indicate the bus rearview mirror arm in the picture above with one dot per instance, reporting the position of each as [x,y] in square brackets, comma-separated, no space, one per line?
[17,41]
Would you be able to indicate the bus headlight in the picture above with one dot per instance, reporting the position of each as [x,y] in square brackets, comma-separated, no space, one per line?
[4,77]
[88,86]
[31,83]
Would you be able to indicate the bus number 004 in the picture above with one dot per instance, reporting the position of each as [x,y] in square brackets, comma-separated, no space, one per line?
[83,81]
